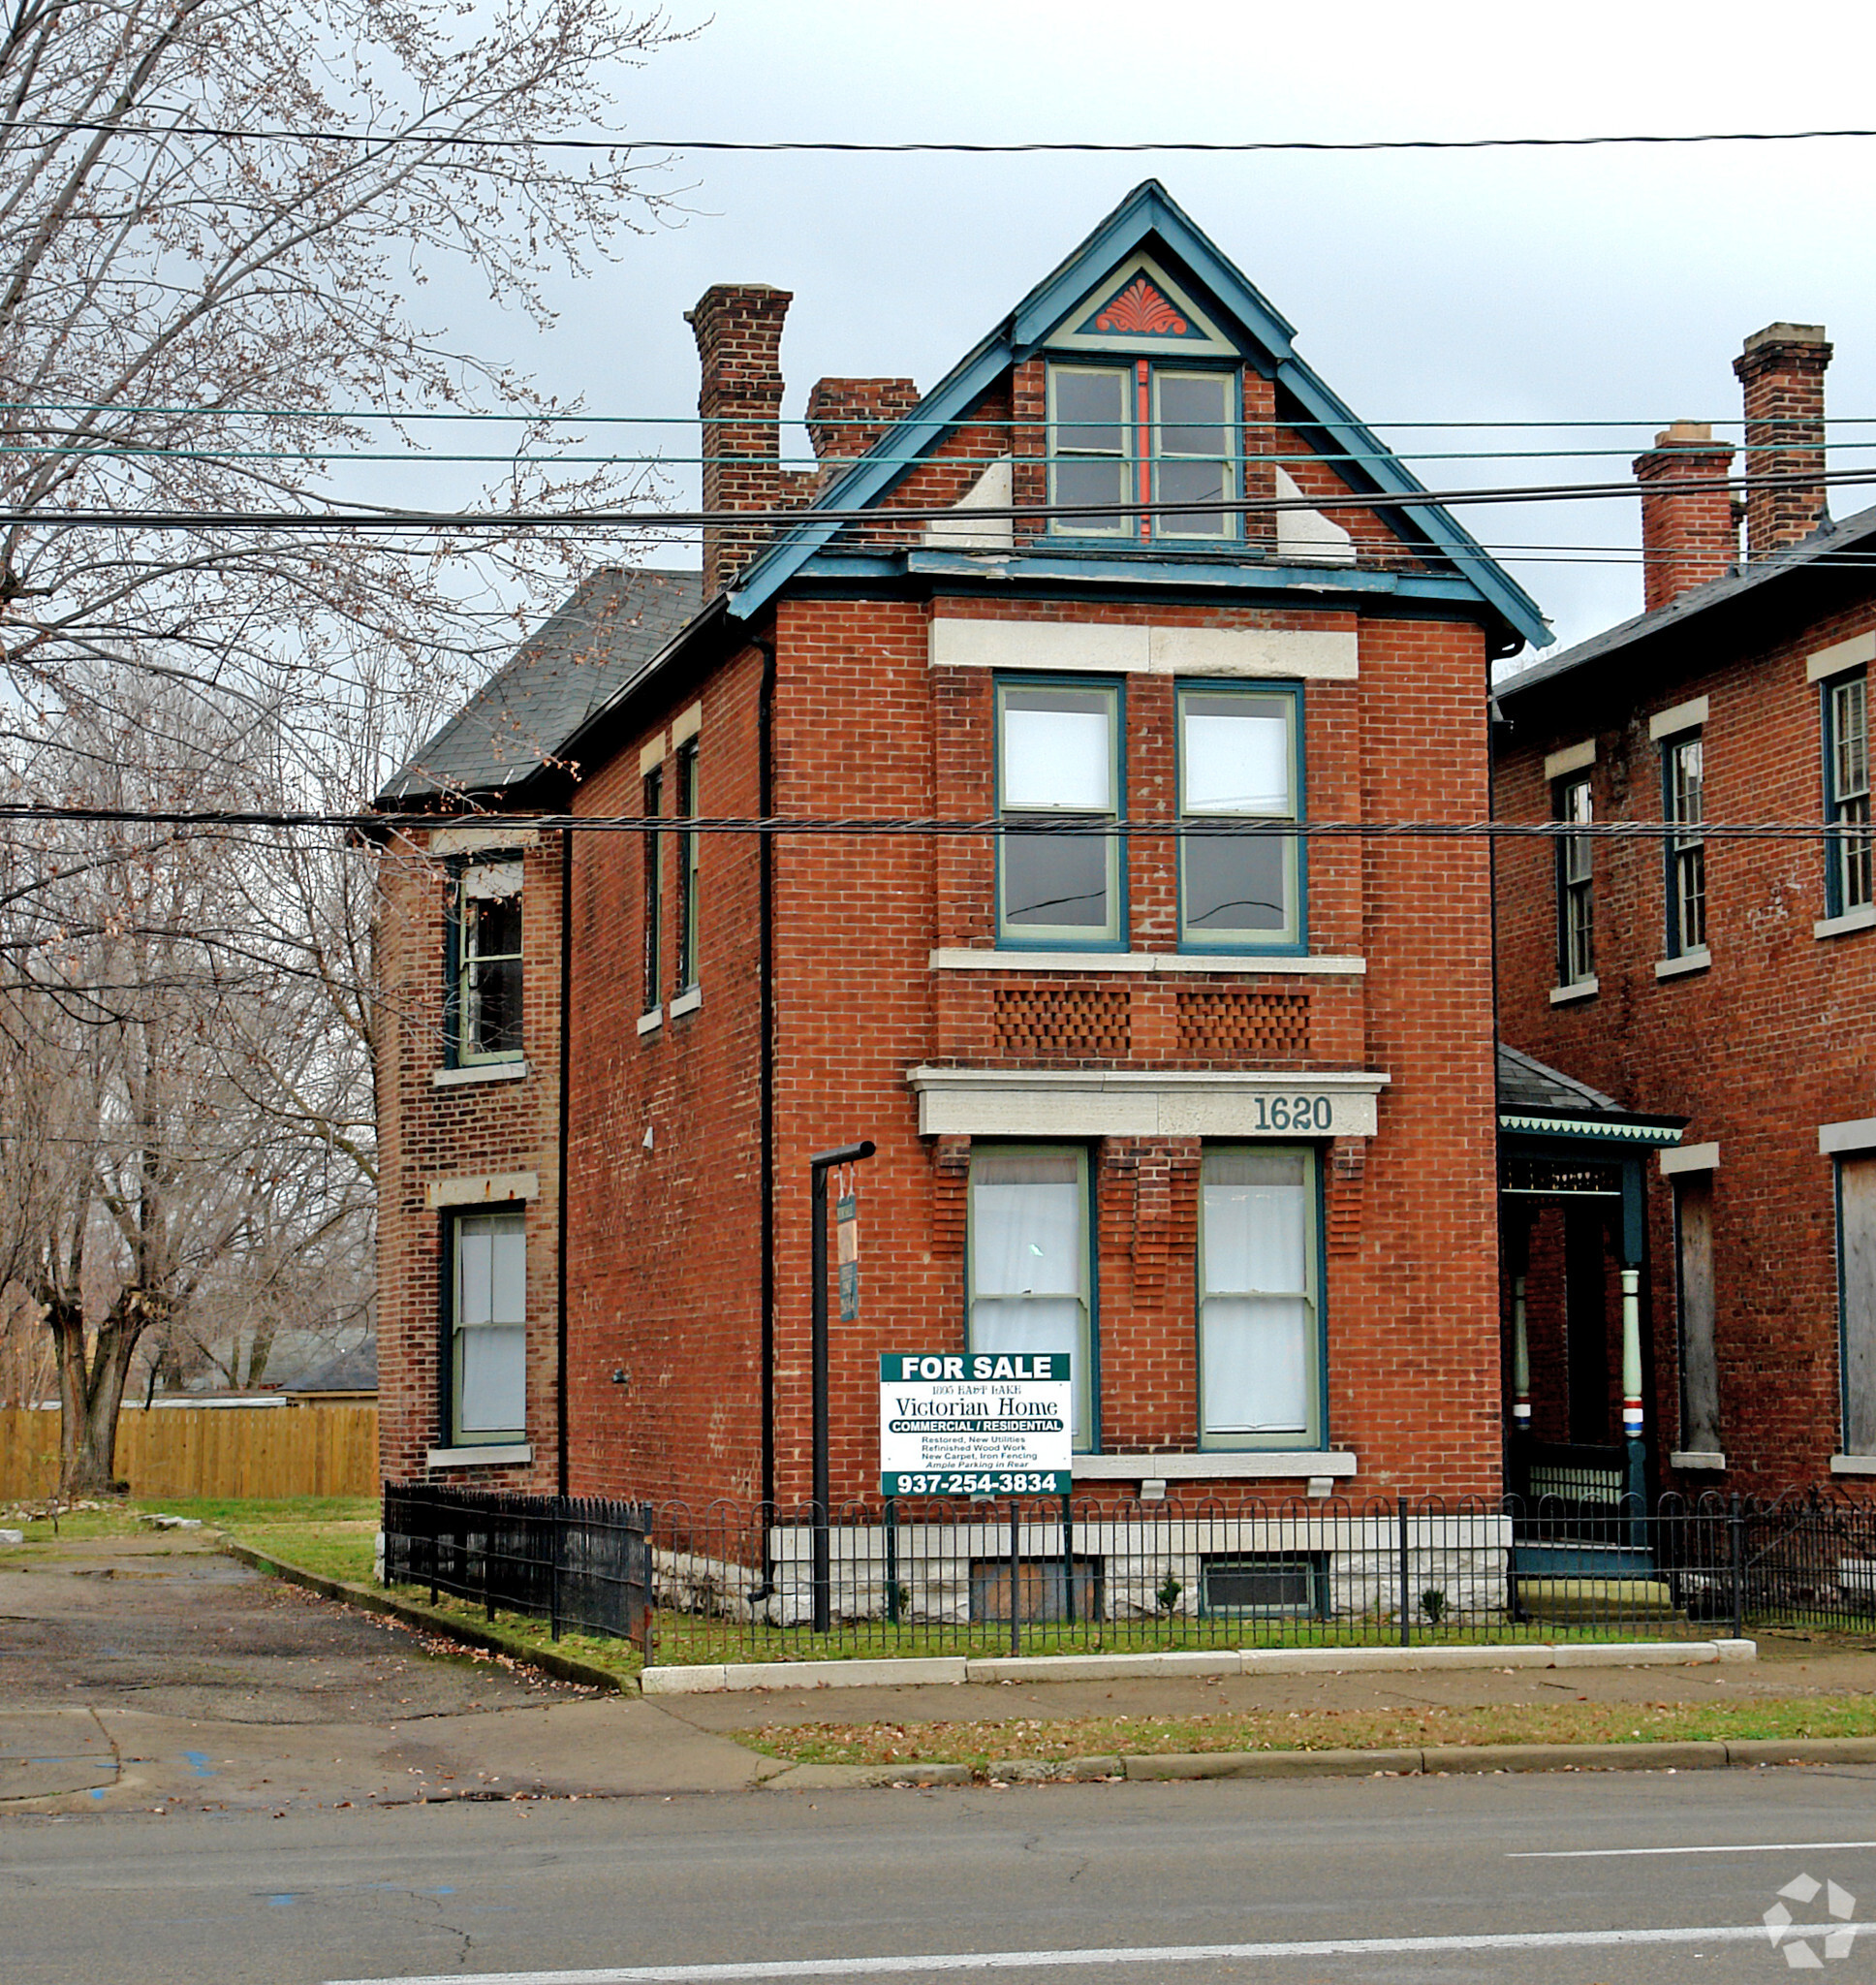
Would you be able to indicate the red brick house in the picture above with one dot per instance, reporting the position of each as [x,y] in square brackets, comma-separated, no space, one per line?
[1216,1114]
[1729,983]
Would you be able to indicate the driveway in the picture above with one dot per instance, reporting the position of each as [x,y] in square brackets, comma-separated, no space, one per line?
[156,1674]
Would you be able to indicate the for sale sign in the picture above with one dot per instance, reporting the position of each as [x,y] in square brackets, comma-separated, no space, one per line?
[976,1422]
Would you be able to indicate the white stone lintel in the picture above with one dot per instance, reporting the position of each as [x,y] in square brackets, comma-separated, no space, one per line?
[1097,647]
[1154,964]
[1235,1103]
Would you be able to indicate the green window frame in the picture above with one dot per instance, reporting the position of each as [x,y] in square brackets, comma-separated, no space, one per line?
[486,1329]
[486,974]
[1239,767]
[1683,806]
[1263,1378]
[689,847]
[1575,805]
[1029,1263]
[1847,859]
[1060,764]
[652,916]
[1141,431]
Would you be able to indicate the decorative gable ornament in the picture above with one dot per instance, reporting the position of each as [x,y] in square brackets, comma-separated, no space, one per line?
[1139,304]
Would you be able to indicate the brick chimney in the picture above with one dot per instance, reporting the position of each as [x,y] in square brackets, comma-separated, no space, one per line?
[1782,372]
[1688,536]
[845,417]
[738,330]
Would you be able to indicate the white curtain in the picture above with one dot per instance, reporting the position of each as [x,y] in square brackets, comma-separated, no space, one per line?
[1259,1356]
[491,1324]
[1029,1261]
[1237,757]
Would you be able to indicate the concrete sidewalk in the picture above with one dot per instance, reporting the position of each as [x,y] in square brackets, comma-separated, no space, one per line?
[150,1675]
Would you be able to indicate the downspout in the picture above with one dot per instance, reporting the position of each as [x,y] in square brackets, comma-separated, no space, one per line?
[766,993]
[1508,1457]
[561,1190]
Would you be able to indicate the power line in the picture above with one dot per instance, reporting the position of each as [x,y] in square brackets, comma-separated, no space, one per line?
[617,142]
[782,519]
[990,826]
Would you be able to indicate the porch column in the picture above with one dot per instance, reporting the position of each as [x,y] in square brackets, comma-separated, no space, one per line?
[1520,1361]
[1632,1380]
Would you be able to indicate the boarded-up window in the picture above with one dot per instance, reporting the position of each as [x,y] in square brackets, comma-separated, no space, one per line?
[1857,1284]
[1699,1373]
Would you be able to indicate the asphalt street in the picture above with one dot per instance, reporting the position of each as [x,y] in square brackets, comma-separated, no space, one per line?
[1591,1879]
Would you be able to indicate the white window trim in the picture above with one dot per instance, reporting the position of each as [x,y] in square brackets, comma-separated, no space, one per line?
[1690,715]
[1862,918]
[486,1188]
[1696,960]
[1571,758]
[1857,652]
[1234,1464]
[1077,1103]
[1226,964]
[480,1071]
[1082,649]
[1580,988]
[480,1456]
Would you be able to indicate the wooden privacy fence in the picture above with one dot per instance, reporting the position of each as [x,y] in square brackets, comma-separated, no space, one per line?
[267,1451]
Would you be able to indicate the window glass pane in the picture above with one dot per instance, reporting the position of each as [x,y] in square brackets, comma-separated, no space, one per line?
[1256,1221]
[1058,749]
[1091,480]
[475,1258]
[1257,1358]
[1194,413]
[491,1006]
[493,1379]
[1029,1262]
[1235,884]
[1193,481]
[1056,880]
[1090,409]
[1852,729]
[1236,755]
[1686,781]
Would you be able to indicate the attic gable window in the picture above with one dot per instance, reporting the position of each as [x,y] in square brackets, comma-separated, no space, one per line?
[1143,431]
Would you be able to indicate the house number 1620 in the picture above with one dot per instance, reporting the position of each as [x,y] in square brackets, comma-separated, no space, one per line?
[1294,1113]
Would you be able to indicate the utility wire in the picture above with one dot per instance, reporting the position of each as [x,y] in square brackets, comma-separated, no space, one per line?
[914,146]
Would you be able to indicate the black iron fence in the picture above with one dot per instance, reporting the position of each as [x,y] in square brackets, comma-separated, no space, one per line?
[576,1562]
[729,1582]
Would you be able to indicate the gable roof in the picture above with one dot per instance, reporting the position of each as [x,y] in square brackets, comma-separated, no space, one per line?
[1534,1096]
[597,642]
[1148,213]
[1764,584]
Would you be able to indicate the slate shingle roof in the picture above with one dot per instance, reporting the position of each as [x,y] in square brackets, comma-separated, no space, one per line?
[1532,1088]
[604,635]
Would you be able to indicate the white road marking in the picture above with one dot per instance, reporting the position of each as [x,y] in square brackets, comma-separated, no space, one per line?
[1028,1959]
[1743,1847]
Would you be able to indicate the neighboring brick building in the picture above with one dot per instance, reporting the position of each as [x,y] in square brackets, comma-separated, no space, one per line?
[1728,982]
[1221,1121]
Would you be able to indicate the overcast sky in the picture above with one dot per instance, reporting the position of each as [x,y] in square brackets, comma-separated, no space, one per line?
[1558,286]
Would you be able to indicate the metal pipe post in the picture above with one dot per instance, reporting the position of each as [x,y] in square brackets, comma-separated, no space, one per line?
[819,1166]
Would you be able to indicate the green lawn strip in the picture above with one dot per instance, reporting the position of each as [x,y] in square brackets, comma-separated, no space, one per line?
[525,1633]
[978,1743]
[332,1535]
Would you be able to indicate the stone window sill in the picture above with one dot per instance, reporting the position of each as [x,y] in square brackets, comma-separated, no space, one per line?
[687,1001]
[650,1023]
[1583,989]
[1687,962]
[480,1456]
[1235,1463]
[1853,1464]
[478,1072]
[1862,918]
[1698,1458]
[972,958]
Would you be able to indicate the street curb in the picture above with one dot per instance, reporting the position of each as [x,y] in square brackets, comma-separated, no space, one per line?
[713,1678]
[562,1667]
[1433,1761]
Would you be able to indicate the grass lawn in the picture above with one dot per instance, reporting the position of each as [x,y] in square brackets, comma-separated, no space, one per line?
[978,1743]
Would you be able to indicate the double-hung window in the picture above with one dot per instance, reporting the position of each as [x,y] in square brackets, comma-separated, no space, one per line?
[1576,905]
[1030,1278]
[1058,770]
[1259,1306]
[1846,794]
[1684,809]
[1240,774]
[687,854]
[486,1392]
[1147,433]
[652,804]
[487,988]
